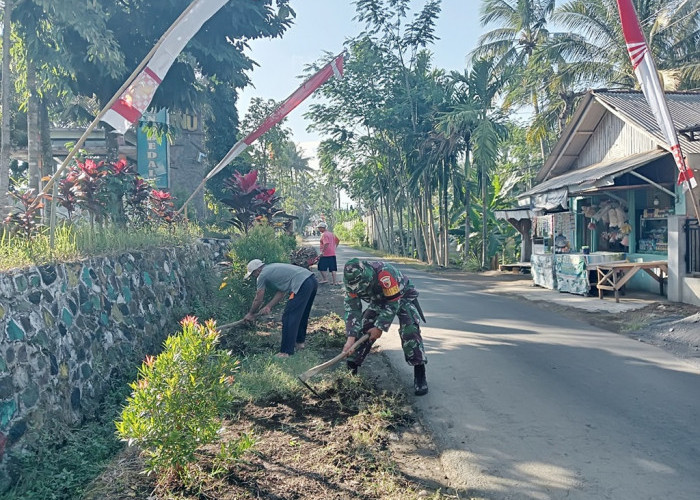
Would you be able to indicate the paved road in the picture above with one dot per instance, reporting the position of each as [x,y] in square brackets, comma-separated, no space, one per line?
[528,404]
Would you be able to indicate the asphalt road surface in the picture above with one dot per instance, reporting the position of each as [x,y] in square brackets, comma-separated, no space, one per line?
[528,404]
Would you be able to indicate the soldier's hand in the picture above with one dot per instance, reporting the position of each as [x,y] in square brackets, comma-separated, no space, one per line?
[347,348]
[374,333]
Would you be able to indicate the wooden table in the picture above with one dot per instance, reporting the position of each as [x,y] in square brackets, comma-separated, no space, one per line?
[614,275]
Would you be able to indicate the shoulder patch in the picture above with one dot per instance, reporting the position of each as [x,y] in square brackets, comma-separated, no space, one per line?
[390,287]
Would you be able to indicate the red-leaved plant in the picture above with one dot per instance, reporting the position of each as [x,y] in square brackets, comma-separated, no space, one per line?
[248,201]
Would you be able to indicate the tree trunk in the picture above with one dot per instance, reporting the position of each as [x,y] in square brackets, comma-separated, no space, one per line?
[467,204]
[484,217]
[33,135]
[5,124]
[112,145]
[47,162]
[446,225]
[422,220]
[419,229]
[435,249]
[402,245]
[536,107]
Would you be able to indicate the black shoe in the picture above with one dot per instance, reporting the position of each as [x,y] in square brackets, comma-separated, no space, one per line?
[352,367]
[419,381]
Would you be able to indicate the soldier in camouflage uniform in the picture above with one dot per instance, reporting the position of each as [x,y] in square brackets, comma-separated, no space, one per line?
[388,293]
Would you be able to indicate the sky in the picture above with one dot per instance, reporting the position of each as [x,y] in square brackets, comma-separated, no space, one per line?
[322,26]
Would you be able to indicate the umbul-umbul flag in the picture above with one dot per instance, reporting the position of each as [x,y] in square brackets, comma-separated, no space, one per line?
[333,68]
[645,69]
[137,97]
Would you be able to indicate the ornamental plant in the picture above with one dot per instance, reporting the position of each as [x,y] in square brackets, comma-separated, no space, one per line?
[178,399]
[27,220]
[249,202]
[113,192]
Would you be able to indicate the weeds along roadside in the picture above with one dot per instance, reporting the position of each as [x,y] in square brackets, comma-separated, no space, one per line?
[64,467]
[339,439]
[63,462]
[75,242]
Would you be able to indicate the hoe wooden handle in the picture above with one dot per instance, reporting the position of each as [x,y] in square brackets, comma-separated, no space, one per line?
[319,368]
[231,325]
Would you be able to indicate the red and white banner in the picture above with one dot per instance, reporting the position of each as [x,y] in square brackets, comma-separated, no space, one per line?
[334,68]
[137,97]
[645,69]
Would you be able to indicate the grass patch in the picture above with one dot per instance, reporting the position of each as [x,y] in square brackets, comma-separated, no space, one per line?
[633,325]
[264,378]
[61,466]
[75,242]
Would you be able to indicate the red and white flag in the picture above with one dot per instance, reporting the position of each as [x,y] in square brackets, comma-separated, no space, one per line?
[645,69]
[137,97]
[333,68]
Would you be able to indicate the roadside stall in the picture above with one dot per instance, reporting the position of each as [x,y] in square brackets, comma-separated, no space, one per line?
[555,265]
[611,176]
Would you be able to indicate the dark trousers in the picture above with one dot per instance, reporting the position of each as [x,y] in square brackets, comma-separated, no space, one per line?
[295,318]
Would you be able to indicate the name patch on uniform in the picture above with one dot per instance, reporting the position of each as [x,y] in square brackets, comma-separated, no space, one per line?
[390,287]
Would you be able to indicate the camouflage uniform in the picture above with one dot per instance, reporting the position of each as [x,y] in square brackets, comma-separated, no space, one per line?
[389,294]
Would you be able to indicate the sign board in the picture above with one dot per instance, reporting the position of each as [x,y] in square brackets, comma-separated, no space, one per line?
[152,154]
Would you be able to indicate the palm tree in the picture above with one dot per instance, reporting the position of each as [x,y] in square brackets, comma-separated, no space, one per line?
[459,122]
[520,33]
[596,46]
[485,86]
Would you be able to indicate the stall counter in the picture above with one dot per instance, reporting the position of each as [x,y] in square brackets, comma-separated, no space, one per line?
[568,272]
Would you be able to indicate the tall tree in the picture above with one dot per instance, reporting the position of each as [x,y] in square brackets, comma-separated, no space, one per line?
[5,125]
[596,47]
[458,121]
[485,85]
[521,31]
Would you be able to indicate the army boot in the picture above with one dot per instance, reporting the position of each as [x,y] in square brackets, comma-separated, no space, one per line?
[419,382]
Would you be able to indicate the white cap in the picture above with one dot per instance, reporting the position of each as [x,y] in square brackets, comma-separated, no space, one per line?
[252,266]
[321,224]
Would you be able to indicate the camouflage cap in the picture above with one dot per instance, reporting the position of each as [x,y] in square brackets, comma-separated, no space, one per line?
[355,273]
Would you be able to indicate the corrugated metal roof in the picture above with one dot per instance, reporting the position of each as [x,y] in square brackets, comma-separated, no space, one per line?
[683,106]
[631,107]
[513,213]
[595,175]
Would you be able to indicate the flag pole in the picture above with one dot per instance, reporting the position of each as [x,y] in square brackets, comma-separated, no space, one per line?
[242,145]
[647,75]
[96,121]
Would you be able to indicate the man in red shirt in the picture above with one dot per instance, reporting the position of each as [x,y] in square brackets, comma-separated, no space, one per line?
[327,261]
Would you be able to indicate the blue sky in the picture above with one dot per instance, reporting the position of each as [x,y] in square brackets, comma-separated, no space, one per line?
[323,25]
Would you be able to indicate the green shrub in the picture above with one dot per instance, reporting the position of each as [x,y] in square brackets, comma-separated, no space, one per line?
[262,243]
[288,242]
[353,236]
[178,399]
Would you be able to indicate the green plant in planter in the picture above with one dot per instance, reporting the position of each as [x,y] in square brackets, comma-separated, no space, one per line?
[178,399]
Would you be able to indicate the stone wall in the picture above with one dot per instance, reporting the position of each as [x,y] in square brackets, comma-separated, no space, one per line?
[68,330]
